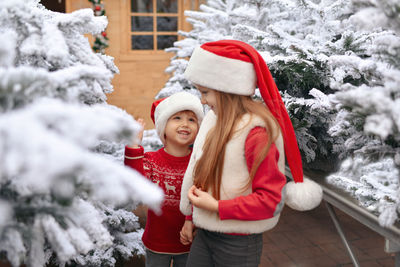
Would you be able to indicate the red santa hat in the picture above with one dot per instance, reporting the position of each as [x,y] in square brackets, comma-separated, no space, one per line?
[164,108]
[235,67]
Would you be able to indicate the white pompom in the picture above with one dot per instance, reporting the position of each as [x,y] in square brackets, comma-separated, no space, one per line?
[303,196]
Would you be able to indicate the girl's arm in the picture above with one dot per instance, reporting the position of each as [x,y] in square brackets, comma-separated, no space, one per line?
[267,187]
[187,232]
[185,206]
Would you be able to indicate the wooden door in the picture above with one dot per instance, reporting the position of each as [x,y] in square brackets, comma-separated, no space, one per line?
[138,31]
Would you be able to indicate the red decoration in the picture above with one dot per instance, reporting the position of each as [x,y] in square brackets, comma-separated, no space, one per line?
[101,41]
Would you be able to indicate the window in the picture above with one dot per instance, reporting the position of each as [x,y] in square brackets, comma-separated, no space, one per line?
[58,6]
[154,24]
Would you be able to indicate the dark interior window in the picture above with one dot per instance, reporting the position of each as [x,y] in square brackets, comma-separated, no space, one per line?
[154,24]
[54,5]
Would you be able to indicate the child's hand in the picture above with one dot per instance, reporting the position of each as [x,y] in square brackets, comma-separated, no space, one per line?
[202,200]
[187,233]
[138,139]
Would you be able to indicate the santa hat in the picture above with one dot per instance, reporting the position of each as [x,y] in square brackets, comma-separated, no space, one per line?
[235,67]
[164,108]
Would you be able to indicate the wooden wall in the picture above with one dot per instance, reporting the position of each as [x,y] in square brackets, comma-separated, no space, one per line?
[141,72]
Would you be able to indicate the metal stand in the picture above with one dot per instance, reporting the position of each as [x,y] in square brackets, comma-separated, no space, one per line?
[392,247]
[335,220]
[335,197]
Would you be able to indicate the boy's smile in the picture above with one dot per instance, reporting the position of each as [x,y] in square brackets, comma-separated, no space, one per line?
[184,133]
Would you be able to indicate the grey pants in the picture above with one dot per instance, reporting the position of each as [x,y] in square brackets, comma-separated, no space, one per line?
[211,249]
[164,260]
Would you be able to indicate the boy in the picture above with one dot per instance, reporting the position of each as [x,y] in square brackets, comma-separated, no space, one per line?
[177,119]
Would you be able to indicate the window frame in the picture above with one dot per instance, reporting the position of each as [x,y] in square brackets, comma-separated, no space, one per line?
[155,51]
[128,54]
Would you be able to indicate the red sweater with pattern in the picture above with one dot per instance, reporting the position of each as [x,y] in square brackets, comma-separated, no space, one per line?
[161,233]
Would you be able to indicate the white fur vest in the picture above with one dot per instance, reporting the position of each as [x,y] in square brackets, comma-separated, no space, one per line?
[235,176]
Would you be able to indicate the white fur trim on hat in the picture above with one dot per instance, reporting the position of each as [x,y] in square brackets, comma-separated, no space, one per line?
[221,73]
[303,196]
[177,102]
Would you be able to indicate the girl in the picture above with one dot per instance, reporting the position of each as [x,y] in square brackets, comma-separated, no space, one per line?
[235,178]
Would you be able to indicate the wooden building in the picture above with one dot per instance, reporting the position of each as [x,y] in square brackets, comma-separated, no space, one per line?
[138,31]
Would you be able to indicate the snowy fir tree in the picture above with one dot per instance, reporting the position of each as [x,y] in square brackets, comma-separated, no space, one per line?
[336,63]
[369,112]
[291,36]
[65,196]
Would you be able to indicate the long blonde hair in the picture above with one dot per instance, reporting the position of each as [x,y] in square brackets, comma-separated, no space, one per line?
[208,169]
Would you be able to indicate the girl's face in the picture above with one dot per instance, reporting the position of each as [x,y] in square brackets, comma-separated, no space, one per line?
[181,128]
[208,97]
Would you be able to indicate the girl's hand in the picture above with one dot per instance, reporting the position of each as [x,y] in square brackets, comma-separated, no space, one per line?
[202,200]
[187,233]
[138,139]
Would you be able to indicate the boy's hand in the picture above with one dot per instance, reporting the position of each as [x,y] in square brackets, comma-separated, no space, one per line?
[202,200]
[138,139]
[187,233]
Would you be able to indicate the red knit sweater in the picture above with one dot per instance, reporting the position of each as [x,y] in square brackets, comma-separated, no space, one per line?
[161,233]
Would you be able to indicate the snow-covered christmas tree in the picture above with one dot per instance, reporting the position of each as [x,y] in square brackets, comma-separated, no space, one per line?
[336,63]
[291,36]
[369,111]
[65,196]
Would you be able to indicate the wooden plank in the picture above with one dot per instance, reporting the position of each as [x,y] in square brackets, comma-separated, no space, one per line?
[72,5]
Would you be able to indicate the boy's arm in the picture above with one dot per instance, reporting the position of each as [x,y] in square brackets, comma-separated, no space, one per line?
[134,153]
[134,158]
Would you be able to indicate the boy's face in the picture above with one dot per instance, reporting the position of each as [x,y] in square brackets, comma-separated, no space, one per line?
[181,128]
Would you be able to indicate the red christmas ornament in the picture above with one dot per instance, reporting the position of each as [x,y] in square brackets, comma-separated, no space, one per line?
[97,8]
[104,34]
